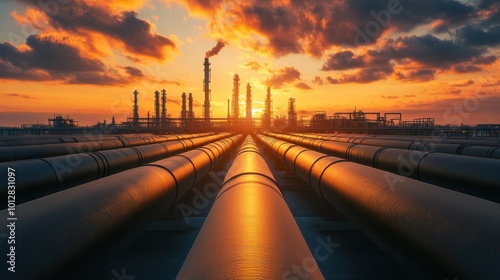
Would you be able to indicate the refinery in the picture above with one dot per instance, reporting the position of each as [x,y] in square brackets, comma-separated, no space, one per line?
[353,195]
[161,122]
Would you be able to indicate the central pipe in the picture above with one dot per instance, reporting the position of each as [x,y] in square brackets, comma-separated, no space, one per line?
[250,232]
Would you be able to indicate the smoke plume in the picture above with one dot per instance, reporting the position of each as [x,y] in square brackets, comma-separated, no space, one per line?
[215,50]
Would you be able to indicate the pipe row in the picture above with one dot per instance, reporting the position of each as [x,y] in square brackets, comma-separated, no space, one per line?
[40,177]
[65,234]
[442,233]
[472,175]
[50,150]
[65,138]
[249,233]
[477,148]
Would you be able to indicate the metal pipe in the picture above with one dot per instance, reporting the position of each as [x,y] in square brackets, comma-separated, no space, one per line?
[444,234]
[39,177]
[249,233]
[39,151]
[70,232]
[472,175]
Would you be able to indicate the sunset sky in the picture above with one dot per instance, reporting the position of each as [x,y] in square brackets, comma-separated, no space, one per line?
[426,58]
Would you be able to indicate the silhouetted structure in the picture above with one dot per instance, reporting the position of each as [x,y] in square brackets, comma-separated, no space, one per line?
[184,107]
[249,104]
[190,114]
[268,111]
[136,109]
[163,108]
[236,97]
[206,90]
[157,108]
[292,113]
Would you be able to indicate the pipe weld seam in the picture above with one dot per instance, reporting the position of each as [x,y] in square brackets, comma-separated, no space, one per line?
[173,176]
[261,184]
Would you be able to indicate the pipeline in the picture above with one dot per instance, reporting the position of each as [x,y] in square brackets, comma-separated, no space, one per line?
[489,148]
[442,233]
[50,150]
[68,233]
[64,138]
[249,233]
[472,175]
[40,177]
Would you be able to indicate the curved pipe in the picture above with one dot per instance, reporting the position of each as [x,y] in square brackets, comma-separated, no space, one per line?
[70,232]
[39,177]
[451,234]
[249,233]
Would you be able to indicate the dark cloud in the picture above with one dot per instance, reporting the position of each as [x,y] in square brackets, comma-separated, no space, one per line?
[49,58]
[365,75]
[18,95]
[477,36]
[318,81]
[132,71]
[421,75]
[342,61]
[429,53]
[397,96]
[332,80]
[313,26]
[430,50]
[136,35]
[464,84]
[283,76]
[484,60]
[303,86]
[50,54]
[461,68]
[253,65]
[390,96]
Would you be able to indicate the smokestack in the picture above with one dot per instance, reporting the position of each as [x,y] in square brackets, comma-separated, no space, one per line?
[163,107]
[190,112]
[268,114]
[228,110]
[157,108]
[292,113]
[249,103]
[136,109]
[206,90]
[183,111]
[236,97]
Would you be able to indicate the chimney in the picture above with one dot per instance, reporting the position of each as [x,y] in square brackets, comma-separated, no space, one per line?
[236,97]
[206,90]
[190,103]
[249,103]
[157,108]
[183,111]
[136,109]
[163,107]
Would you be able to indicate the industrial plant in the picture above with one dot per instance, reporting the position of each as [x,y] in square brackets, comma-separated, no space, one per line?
[161,122]
[168,195]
